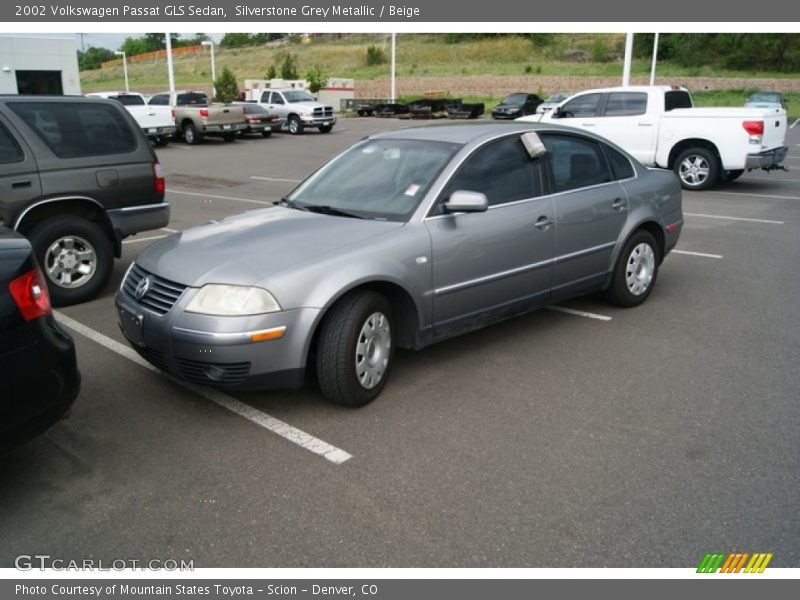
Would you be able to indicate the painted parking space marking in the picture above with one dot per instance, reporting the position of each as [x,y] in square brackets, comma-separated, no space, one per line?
[728,218]
[135,240]
[701,254]
[167,229]
[579,313]
[796,121]
[201,195]
[275,179]
[748,195]
[307,441]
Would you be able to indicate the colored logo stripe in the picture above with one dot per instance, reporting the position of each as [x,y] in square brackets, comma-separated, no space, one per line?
[734,562]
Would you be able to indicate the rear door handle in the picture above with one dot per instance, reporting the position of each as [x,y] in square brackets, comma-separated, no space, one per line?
[645,124]
[618,204]
[543,223]
[21,184]
[588,124]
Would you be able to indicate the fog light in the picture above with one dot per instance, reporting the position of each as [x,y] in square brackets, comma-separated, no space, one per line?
[215,373]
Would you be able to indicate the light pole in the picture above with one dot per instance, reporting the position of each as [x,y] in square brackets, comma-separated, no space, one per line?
[124,68]
[210,44]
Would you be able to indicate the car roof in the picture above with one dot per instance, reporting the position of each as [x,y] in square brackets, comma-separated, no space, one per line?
[471,133]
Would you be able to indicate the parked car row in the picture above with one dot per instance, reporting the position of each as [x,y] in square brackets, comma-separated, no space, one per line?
[191,116]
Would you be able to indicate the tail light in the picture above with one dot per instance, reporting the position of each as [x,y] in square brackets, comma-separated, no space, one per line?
[203,113]
[158,178]
[754,127]
[29,292]
[253,120]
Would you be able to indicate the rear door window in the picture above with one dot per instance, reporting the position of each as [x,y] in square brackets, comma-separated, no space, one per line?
[160,100]
[621,104]
[73,129]
[575,162]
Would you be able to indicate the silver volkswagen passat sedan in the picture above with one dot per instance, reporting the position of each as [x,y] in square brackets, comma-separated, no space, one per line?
[404,239]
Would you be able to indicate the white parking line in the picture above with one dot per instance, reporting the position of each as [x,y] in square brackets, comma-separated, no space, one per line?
[768,221]
[757,195]
[703,254]
[250,200]
[181,147]
[169,230]
[134,240]
[335,455]
[796,121]
[579,313]
[275,179]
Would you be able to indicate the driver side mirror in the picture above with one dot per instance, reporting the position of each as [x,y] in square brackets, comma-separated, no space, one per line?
[557,113]
[465,201]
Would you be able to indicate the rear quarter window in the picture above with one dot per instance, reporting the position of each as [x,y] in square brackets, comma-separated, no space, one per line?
[621,166]
[10,152]
[73,130]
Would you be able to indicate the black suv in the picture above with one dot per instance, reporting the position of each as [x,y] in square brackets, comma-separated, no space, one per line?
[77,176]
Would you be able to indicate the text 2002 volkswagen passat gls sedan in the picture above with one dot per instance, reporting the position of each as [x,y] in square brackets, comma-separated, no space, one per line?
[404,239]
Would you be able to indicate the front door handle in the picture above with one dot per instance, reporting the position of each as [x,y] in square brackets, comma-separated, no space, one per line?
[618,204]
[543,223]
[588,124]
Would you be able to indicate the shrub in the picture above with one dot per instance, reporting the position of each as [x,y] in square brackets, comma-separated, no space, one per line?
[227,90]
[375,56]
[317,79]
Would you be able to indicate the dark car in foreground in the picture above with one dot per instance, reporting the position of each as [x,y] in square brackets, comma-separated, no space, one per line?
[404,239]
[39,378]
[516,105]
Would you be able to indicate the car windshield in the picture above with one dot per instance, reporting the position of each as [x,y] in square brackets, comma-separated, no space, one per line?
[764,97]
[376,179]
[192,98]
[298,96]
[515,99]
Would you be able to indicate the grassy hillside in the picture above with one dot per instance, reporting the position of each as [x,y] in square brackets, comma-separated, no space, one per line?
[423,55]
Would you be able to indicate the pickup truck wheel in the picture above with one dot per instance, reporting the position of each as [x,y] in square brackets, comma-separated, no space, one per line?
[325,128]
[635,272]
[697,168]
[161,141]
[733,175]
[190,134]
[76,257]
[295,126]
[355,349]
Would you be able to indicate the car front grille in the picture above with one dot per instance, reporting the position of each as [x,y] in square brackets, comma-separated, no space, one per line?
[161,295]
[326,112]
[212,373]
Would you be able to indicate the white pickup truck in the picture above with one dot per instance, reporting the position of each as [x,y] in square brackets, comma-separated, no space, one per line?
[299,109]
[157,122]
[659,126]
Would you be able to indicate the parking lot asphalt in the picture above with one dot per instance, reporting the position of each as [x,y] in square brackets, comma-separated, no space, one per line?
[596,437]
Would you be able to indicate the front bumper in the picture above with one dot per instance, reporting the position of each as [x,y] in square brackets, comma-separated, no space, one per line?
[771,159]
[219,351]
[505,115]
[133,219]
[312,121]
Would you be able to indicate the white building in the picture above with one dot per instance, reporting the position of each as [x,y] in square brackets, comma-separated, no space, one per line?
[32,64]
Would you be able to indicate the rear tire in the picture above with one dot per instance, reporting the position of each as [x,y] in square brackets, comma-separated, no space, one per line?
[190,134]
[636,271]
[697,168]
[355,349]
[76,257]
[161,141]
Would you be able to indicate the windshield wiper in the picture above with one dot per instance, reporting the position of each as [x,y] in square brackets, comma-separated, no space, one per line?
[289,203]
[326,209]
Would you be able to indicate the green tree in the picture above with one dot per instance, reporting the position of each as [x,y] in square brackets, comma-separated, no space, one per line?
[375,56]
[235,40]
[317,79]
[226,87]
[289,67]
[93,58]
[272,73]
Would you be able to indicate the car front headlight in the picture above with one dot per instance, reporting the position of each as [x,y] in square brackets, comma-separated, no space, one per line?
[232,300]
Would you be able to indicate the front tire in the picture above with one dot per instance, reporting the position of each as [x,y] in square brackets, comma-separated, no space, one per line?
[295,125]
[325,128]
[636,271]
[355,349]
[76,257]
[697,168]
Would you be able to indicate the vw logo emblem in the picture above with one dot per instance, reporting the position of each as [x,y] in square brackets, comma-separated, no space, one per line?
[142,288]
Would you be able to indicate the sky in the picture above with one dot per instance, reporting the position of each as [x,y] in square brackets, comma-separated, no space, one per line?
[112,41]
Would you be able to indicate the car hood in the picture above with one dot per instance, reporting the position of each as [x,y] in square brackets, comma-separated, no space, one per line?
[310,106]
[244,249]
